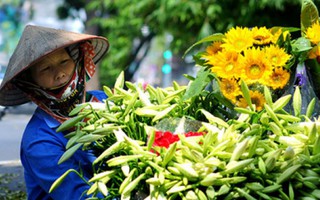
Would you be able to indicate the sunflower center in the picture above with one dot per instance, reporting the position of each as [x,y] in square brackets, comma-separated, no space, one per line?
[259,38]
[256,100]
[276,77]
[229,67]
[229,87]
[255,70]
[240,43]
[274,59]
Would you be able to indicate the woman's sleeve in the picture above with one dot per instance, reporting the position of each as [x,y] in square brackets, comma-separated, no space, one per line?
[43,156]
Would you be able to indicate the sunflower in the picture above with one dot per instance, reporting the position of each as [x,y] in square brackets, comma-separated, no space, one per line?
[262,36]
[277,33]
[314,53]
[256,97]
[226,64]
[312,33]
[279,78]
[238,39]
[256,67]
[277,56]
[241,102]
[214,48]
[230,88]
[211,50]
[253,56]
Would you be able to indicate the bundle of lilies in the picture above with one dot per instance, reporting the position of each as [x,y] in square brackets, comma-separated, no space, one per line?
[267,154]
[189,142]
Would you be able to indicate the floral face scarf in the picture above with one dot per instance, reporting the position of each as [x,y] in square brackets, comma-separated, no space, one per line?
[59,102]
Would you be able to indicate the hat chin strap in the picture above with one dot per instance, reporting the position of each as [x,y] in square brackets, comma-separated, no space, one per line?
[63,92]
[61,86]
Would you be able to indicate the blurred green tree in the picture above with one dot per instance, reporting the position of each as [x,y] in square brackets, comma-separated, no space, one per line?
[12,17]
[130,25]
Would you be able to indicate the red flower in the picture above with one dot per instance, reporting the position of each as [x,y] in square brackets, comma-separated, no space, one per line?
[164,139]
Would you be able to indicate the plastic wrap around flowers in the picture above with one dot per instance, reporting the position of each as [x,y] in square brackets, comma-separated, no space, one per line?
[255,56]
[311,40]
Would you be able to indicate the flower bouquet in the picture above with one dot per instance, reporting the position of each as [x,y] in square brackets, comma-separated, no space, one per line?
[260,154]
[226,135]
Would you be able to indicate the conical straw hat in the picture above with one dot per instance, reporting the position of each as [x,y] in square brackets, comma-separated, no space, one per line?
[35,43]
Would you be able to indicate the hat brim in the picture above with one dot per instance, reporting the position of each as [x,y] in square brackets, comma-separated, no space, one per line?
[10,95]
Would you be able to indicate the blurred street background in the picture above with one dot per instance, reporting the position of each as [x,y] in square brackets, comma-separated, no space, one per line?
[12,126]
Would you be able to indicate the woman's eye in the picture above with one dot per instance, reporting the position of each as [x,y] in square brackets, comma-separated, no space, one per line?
[64,62]
[44,69]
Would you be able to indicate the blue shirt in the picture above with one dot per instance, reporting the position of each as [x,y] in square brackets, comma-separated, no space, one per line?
[41,149]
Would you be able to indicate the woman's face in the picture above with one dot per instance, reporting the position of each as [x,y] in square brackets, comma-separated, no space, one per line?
[54,71]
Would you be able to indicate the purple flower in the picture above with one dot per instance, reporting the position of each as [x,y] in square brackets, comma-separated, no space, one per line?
[301,79]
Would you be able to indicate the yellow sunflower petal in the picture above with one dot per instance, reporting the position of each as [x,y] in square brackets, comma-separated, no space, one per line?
[241,102]
[226,64]
[256,66]
[230,88]
[276,34]
[262,35]
[279,78]
[314,53]
[238,39]
[312,33]
[211,50]
[277,56]
[257,98]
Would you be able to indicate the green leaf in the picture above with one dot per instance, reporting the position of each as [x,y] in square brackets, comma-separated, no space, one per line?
[61,178]
[246,94]
[281,102]
[102,175]
[133,184]
[267,96]
[89,138]
[103,188]
[197,85]
[69,153]
[309,15]
[214,119]
[114,148]
[120,81]
[169,154]
[108,91]
[288,173]
[163,113]
[211,38]
[74,139]
[77,109]
[297,102]
[70,123]
[151,139]
[302,44]
[310,108]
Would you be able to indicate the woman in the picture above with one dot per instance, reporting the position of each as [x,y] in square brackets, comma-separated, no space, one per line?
[51,67]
